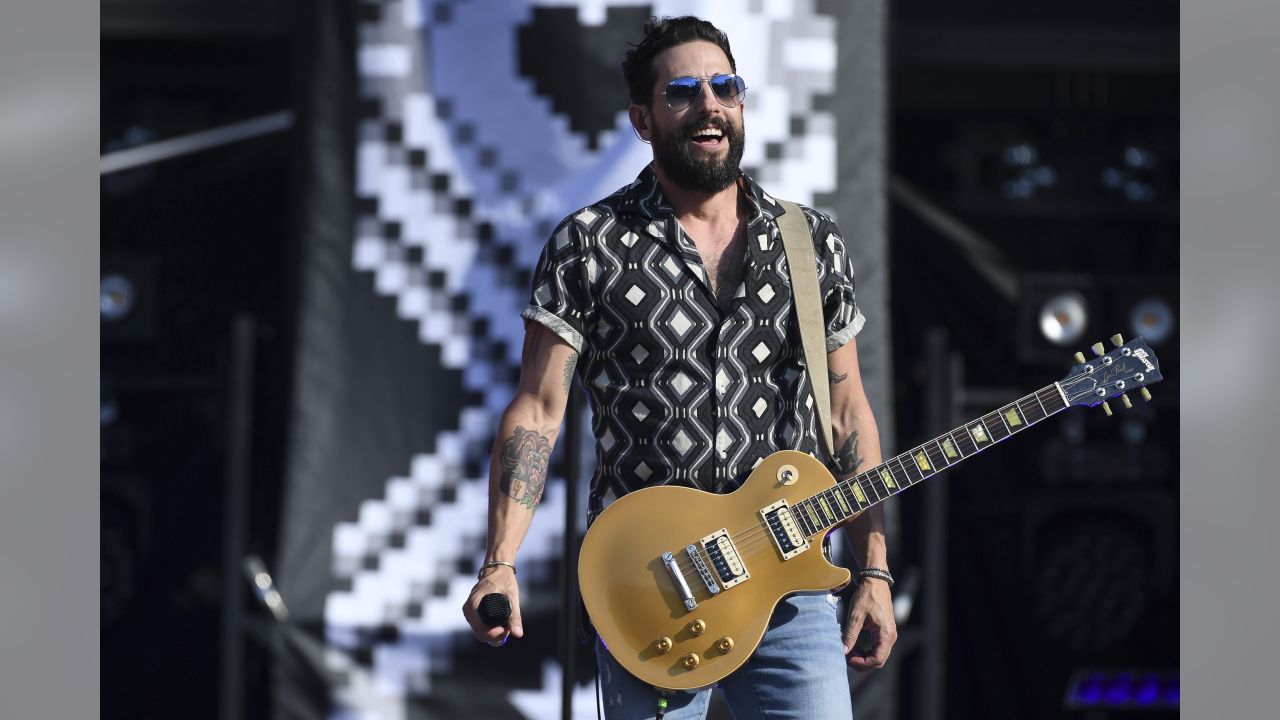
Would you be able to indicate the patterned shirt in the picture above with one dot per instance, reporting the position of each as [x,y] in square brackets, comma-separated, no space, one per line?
[683,392]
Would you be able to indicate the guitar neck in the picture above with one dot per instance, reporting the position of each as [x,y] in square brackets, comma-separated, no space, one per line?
[830,507]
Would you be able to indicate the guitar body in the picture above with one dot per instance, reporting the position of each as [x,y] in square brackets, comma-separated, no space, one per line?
[635,602]
[681,583]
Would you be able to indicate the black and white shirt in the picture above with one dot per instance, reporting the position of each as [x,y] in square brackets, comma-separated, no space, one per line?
[683,393]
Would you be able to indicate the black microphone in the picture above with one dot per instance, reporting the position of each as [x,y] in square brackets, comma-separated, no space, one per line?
[495,608]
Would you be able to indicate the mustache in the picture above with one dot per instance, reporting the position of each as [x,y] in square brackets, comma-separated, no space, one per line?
[718,123]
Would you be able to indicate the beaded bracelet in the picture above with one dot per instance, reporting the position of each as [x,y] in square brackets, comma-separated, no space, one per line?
[878,573]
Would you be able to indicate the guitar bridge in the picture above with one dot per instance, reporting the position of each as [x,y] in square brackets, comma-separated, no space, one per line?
[703,571]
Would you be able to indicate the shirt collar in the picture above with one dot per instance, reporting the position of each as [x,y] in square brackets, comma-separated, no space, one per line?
[645,198]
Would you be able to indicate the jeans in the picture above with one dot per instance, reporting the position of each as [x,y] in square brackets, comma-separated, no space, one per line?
[798,671]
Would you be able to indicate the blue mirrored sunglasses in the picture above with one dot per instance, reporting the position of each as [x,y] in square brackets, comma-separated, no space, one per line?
[729,90]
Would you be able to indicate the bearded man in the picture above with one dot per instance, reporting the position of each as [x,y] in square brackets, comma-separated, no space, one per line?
[671,300]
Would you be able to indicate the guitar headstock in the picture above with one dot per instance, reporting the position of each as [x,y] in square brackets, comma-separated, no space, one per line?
[1130,366]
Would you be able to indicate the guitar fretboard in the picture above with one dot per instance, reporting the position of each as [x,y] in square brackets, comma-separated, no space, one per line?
[900,472]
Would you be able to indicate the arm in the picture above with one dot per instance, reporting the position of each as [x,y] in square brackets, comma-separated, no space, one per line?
[857,442]
[518,468]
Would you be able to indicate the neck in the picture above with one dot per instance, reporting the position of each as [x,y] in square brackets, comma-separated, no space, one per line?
[714,207]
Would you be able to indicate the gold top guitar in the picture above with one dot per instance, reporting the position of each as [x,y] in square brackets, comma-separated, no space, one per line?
[681,583]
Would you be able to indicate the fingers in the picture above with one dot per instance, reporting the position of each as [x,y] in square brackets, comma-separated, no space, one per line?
[853,629]
[494,636]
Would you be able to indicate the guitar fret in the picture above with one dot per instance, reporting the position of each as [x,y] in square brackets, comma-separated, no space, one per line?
[995,425]
[1013,418]
[803,517]
[937,458]
[856,496]
[837,504]
[878,484]
[963,444]
[910,470]
[1044,413]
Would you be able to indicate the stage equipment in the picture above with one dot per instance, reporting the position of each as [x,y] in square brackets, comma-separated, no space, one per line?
[681,595]
[1123,689]
[1063,318]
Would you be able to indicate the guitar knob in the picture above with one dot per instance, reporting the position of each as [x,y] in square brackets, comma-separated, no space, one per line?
[724,645]
[1098,349]
[1125,399]
[691,661]
[1146,394]
[1117,340]
[1106,409]
[663,645]
[1080,358]
[696,628]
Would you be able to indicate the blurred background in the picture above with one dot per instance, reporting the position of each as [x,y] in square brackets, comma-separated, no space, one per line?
[319,222]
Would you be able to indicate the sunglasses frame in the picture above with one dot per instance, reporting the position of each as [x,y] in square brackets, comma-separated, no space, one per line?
[731,102]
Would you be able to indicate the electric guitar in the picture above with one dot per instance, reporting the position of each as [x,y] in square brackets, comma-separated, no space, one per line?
[680,583]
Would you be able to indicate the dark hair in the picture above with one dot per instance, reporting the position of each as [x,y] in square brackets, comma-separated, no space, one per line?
[660,34]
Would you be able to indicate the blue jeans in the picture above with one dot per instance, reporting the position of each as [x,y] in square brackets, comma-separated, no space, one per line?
[798,671]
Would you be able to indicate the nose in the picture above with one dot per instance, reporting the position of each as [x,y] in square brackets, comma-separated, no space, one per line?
[706,99]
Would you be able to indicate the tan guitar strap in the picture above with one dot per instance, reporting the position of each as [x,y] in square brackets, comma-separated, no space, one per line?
[798,245]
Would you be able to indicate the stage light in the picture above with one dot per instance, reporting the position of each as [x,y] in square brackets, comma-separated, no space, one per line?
[1063,318]
[1152,320]
[116,297]
[1118,689]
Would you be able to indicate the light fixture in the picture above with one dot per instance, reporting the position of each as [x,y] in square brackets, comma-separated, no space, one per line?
[1063,318]
[116,297]
[1151,319]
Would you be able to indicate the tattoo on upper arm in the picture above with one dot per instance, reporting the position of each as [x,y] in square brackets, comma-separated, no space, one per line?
[847,459]
[524,466]
[568,370]
[836,379]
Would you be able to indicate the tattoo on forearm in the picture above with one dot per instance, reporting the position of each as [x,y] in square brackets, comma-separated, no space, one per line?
[847,459]
[524,466]
[836,379]
[568,370]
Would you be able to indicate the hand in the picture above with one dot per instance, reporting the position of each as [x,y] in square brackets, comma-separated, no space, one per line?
[871,616]
[499,580]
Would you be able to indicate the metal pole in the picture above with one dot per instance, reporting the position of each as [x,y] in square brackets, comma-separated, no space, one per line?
[939,411]
[239,439]
[569,566]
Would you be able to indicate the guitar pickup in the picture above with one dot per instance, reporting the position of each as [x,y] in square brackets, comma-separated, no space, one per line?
[725,560]
[786,533]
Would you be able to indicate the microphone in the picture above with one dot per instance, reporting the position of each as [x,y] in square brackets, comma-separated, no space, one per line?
[494,609]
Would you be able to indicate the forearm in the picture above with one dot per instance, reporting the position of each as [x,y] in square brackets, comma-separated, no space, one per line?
[857,440]
[517,474]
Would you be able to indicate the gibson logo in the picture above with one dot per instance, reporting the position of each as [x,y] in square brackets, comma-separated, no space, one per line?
[1142,355]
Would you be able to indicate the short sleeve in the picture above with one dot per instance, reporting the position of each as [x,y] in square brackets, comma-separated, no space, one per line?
[835,277]
[559,298]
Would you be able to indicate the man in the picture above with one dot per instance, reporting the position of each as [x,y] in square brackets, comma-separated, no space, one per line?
[672,300]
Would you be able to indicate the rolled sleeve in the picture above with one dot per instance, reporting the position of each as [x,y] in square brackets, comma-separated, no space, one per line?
[844,320]
[559,299]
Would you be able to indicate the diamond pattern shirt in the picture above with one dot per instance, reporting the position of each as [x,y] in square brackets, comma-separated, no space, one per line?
[681,391]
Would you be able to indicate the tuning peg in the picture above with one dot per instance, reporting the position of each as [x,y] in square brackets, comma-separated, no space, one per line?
[1146,394]
[1106,409]
[1080,358]
[1097,349]
[1117,340]
[1125,399]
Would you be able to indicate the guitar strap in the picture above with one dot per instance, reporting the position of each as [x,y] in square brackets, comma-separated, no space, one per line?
[797,242]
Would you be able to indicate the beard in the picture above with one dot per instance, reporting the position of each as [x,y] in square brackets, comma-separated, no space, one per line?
[692,170]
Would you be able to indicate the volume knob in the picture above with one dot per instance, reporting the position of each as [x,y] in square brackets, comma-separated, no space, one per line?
[691,661]
[663,645]
[724,644]
[697,627]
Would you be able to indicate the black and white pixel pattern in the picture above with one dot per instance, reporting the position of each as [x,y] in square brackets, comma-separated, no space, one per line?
[472,144]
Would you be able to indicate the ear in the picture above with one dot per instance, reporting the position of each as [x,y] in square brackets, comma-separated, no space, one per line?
[640,121]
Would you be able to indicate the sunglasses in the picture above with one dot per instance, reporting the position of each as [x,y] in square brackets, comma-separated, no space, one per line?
[729,90]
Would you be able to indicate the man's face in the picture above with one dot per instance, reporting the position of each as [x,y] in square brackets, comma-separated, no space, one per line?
[688,155]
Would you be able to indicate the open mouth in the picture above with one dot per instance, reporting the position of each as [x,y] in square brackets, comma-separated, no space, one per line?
[708,136]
